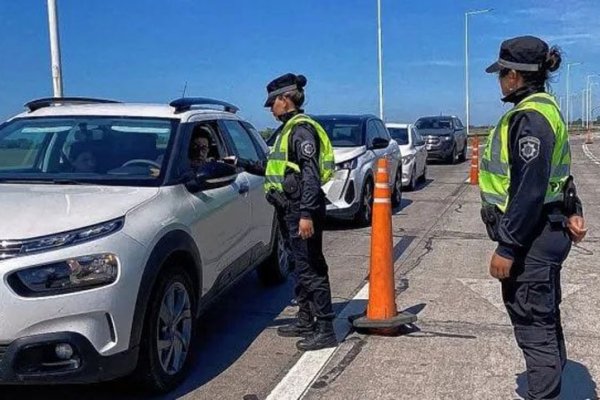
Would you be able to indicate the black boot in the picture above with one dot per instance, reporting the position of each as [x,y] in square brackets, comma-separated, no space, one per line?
[323,337]
[302,327]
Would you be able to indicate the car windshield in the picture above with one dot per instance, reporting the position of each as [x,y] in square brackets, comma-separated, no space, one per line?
[102,150]
[400,135]
[433,123]
[343,132]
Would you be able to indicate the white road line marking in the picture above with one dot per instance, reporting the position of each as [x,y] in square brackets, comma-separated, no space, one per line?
[299,378]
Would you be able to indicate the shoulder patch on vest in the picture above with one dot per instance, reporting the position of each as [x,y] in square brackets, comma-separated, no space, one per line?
[529,148]
[308,149]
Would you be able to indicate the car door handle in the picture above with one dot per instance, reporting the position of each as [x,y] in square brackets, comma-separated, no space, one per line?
[244,188]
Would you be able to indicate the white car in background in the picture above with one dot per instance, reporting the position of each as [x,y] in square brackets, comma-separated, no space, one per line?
[414,153]
[358,142]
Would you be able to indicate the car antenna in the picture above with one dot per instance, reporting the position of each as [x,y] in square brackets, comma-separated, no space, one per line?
[184,89]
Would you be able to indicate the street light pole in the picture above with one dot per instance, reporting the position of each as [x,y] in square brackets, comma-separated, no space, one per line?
[569,65]
[380,59]
[583,100]
[56,69]
[588,99]
[467,14]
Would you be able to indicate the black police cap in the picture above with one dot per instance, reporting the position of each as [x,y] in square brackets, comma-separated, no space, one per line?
[283,84]
[523,53]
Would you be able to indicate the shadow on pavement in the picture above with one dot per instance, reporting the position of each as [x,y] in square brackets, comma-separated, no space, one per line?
[577,383]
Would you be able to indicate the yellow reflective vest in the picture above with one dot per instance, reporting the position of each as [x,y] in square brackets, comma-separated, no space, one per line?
[279,157]
[494,176]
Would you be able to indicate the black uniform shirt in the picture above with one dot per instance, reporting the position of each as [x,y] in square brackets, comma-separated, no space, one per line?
[531,143]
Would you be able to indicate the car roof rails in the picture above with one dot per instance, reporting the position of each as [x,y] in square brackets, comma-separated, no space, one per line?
[50,101]
[186,103]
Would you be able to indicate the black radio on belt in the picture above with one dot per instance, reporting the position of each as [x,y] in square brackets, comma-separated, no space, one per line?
[570,196]
[490,217]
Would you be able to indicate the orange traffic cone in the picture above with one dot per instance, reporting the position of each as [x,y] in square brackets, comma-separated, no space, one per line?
[474,175]
[588,138]
[382,314]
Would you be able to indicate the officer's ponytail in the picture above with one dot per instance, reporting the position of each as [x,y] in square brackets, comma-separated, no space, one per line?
[553,59]
[297,96]
[551,64]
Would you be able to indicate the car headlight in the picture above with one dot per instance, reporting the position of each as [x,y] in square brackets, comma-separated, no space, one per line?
[447,138]
[407,158]
[72,237]
[66,276]
[350,164]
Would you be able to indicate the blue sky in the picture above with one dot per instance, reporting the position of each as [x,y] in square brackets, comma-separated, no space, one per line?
[145,50]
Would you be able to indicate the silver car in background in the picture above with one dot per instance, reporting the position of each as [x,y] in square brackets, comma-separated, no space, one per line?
[358,141]
[414,153]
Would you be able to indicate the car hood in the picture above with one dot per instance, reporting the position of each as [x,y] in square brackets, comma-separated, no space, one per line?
[29,211]
[341,154]
[435,132]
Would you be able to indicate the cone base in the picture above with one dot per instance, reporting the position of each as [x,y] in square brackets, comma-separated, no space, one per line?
[402,318]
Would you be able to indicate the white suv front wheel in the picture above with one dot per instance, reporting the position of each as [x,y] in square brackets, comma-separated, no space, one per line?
[170,326]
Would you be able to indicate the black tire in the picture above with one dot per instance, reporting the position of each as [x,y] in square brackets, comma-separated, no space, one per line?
[452,158]
[365,211]
[397,192]
[412,185]
[423,178]
[463,154]
[275,269]
[150,370]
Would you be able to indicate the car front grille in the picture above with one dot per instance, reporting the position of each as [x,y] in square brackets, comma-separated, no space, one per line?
[10,248]
[433,140]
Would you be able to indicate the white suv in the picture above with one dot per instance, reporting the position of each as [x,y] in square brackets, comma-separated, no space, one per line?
[111,244]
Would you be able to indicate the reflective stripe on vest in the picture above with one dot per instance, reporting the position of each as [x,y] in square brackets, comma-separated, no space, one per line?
[494,176]
[278,158]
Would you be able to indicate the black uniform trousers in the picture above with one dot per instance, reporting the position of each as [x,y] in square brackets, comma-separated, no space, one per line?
[306,261]
[532,297]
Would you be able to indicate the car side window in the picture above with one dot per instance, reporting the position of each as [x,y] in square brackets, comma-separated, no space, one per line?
[259,142]
[419,141]
[243,144]
[382,131]
[458,124]
[372,132]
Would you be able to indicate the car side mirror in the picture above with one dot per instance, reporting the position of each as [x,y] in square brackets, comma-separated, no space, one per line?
[212,175]
[379,143]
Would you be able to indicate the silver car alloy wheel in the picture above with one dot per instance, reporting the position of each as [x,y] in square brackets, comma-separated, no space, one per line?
[282,255]
[368,201]
[174,328]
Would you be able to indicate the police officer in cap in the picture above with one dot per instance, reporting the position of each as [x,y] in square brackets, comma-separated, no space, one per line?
[299,164]
[530,207]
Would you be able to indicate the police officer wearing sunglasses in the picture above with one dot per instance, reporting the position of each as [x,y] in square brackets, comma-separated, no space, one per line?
[530,207]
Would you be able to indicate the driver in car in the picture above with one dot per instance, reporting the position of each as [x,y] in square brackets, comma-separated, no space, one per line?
[198,150]
[199,147]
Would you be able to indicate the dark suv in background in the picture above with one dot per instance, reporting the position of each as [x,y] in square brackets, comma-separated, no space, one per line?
[445,137]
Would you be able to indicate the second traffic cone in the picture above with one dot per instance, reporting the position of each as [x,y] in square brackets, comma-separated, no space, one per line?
[382,314]
[474,175]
